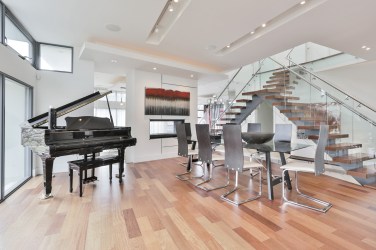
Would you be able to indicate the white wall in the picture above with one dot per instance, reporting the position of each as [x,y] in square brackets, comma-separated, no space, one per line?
[358,80]
[56,89]
[11,64]
[145,148]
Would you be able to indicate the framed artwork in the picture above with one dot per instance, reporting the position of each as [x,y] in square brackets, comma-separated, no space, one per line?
[166,102]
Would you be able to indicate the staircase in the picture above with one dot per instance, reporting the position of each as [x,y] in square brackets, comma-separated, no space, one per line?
[280,91]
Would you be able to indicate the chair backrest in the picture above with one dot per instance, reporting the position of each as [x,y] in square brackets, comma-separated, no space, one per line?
[234,157]
[182,139]
[205,153]
[283,132]
[188,131]
[254,127]
[320,150]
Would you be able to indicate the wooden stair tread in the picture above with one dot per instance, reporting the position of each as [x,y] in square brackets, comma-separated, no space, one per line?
[315,127]
[291,104]
[331,136]
[262,91]
[362,172]
[286,111]
[351,158]
[278,81]
[278,85]
[238,107]
[341,146]
[244,100]
[281,97]
[232,113]
[308,119]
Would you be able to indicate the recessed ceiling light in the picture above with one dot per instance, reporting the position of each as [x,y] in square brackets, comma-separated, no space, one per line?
[252,32]
[156,30]
[228,46]
[113,27]
[171,8]
[263,25]
[363,47]
[154,68]
[368,48]
[176,1]
[192,75]
[302,2]
[114,61]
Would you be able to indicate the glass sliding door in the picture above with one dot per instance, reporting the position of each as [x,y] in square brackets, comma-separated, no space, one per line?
[16,158]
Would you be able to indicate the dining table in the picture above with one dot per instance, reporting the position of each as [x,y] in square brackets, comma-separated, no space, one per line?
[281,147]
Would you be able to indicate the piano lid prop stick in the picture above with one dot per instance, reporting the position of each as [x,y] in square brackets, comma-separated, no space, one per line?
[52,118]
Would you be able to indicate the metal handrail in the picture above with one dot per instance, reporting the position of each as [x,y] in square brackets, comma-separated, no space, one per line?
[232,79]
[326,82]
[327,94]
[241,91]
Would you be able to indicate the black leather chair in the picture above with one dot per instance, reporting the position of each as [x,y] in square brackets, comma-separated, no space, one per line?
[185,151]
[234,160]
[206,156]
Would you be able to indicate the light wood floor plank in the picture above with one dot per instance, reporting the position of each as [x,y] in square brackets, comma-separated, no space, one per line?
[152,209]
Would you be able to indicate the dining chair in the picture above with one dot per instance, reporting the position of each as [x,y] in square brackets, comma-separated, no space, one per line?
[317,168]
[234,160]
[184,151]
[206,156]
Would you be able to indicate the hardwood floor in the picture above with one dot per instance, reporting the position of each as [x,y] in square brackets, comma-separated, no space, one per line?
[154,210]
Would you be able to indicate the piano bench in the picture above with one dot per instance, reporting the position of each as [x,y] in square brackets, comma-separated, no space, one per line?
[81,165]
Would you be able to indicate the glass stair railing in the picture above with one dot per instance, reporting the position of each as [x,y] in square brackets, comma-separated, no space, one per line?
[307,101]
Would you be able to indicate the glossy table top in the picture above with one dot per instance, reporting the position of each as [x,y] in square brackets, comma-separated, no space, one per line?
[276,146]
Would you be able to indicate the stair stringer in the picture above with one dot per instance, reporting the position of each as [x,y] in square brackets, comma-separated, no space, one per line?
[250,107]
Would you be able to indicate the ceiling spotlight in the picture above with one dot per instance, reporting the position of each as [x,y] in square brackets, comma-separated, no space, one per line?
[252,32]
[302,2]
[114,61]
[263,25]
[156,30]
[171,8]
[176,1]
[154,68]
[228,46]
[363,47]
[368,48]
[192,75]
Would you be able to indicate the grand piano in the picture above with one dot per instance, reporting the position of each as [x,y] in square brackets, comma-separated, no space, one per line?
[84,135]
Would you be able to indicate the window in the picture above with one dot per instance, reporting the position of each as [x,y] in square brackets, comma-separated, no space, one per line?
[117,103]
[1,21]
[16,159]
[163,128]
[17,40]
[55,58]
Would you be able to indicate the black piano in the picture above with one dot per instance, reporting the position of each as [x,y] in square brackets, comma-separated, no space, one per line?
[86,135]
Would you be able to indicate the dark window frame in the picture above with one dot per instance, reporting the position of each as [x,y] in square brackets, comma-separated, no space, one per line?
[2,22]
[3,76]
[23,30]
[37,64]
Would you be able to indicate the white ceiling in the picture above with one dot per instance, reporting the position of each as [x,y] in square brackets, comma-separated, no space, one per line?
[205,27]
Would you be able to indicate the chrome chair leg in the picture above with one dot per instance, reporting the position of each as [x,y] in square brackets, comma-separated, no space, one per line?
[326,205]
[180,176]
[210,177]
[224,196]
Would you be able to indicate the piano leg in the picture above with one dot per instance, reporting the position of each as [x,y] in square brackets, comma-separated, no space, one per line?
[121,164]
[47,174]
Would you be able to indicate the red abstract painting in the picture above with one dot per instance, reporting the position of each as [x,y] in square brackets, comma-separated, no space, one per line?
[166,102]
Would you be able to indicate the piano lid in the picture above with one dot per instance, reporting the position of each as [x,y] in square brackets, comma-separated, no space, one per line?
[67,108]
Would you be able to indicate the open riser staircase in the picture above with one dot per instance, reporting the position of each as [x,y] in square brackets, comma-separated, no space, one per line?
[286,90]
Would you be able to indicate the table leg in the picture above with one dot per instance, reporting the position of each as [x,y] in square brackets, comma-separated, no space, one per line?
[287,176]
[269,176]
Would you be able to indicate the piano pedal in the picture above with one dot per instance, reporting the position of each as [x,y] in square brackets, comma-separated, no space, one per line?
[89,179]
